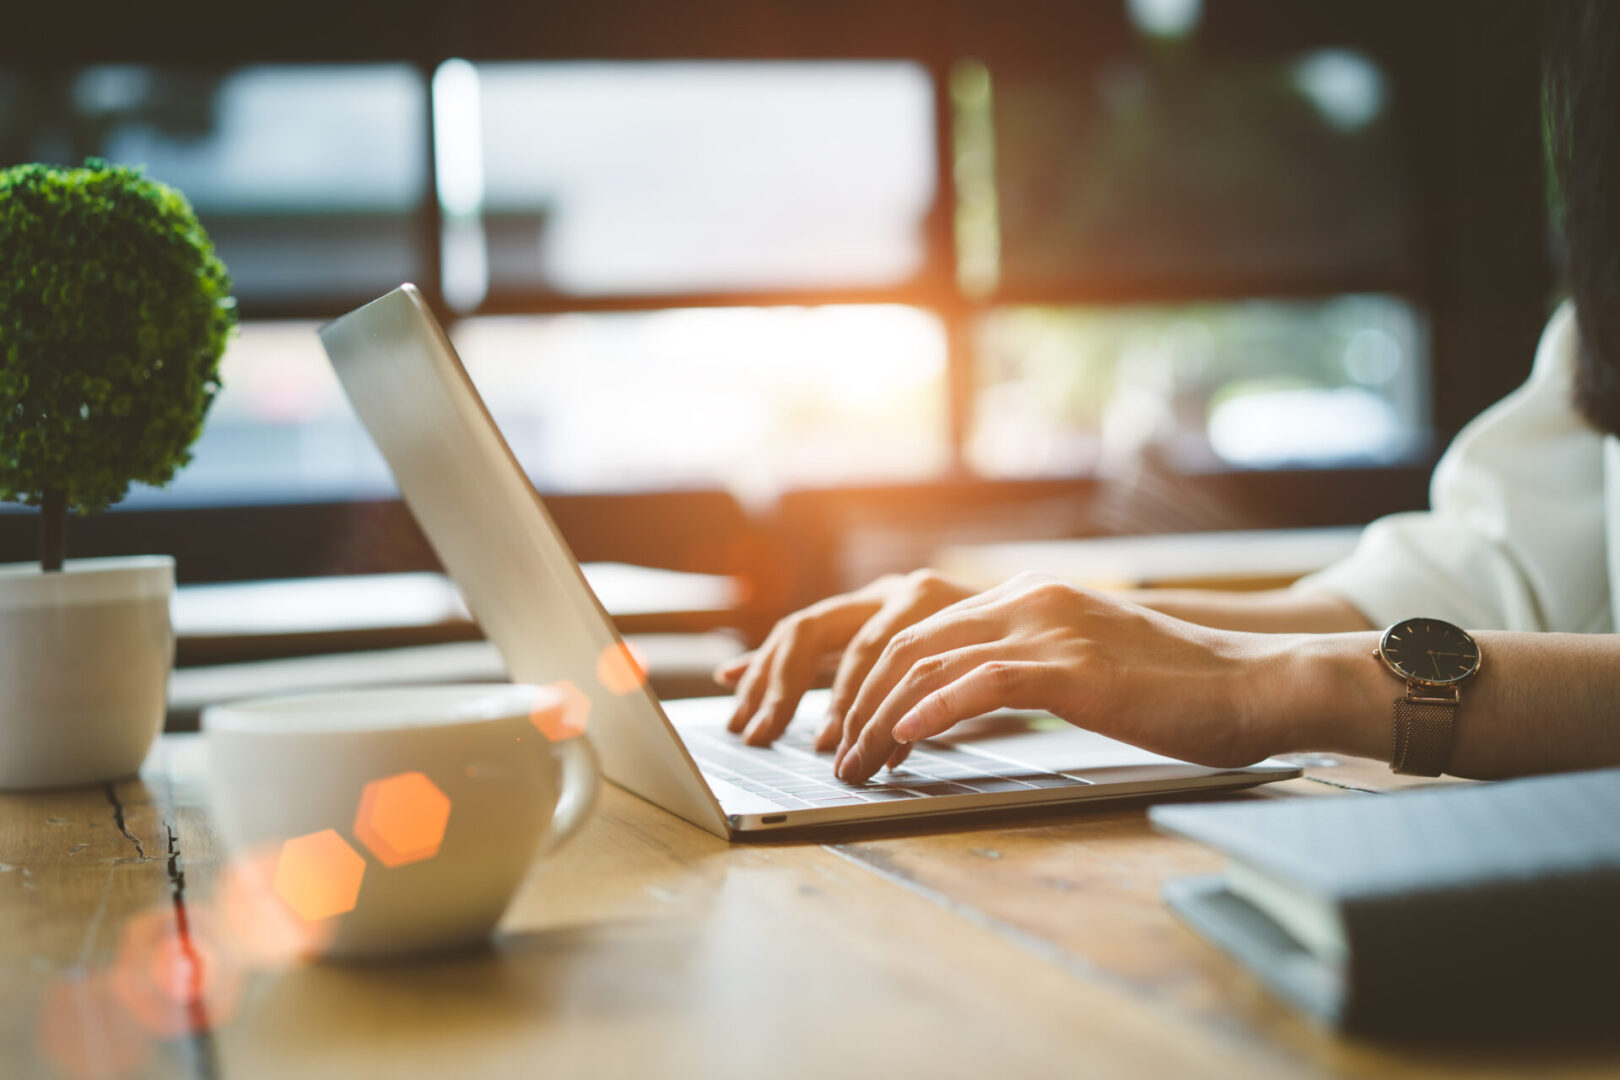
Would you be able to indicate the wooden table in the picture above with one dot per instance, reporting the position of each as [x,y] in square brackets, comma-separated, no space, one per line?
[1032,947]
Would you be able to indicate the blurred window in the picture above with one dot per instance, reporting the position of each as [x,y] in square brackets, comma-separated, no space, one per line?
[279,431]
[1256,384]
[609,179]
[309,178]
[1161,169]
[754,399]
[604,402]
[1174,234]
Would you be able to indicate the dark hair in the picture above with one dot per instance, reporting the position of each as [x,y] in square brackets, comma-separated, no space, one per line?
[1582,101]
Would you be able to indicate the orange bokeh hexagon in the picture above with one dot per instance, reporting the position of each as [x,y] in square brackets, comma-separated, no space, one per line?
[318,875]
[83,1033]
[401,819]
[621,668]
[261,930]
[564,719]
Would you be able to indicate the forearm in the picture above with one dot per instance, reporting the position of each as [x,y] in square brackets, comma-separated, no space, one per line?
[1274,611]
[1540,703]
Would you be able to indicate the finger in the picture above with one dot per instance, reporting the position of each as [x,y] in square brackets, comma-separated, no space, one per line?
[792,672]
[729,671]
[987,687]
[898,758]
[876,744]
[751,687]
[866,647]
[995,685]
[807,636]
[863,652]
[844,615]
[940,633]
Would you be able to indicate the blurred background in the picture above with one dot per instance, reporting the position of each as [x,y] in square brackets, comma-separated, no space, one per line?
[802,292]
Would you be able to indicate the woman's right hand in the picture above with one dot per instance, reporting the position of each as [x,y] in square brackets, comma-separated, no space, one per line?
[771,679]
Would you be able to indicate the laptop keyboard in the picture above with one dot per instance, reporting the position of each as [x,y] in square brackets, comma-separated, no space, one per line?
[791,773]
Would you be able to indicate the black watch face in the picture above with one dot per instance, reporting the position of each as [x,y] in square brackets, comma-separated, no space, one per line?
[1430,651]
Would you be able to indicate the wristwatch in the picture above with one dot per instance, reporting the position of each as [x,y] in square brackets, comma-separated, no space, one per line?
[1434,658]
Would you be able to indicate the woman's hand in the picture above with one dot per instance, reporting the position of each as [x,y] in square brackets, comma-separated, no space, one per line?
[1100,663]
[771,679]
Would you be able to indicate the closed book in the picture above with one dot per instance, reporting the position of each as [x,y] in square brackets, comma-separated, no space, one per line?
[1488,907]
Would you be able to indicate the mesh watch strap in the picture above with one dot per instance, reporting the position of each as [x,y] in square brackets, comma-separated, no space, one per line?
[1423,736]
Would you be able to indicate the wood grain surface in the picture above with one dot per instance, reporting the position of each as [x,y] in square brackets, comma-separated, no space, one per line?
[1033,946]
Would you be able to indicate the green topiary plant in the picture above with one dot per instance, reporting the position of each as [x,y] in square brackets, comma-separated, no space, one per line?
[114,311]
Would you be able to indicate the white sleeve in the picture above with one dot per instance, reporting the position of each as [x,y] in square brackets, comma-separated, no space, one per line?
[1515,539]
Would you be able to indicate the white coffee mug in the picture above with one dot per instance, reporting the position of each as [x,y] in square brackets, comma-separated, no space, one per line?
[402,820]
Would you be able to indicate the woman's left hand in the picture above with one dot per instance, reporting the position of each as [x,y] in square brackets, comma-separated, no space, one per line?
[1100,663]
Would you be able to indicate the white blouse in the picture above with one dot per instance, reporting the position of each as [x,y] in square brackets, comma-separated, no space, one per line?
[1524,527]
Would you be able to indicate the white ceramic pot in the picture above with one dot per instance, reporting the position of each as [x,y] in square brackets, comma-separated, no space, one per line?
[85,655]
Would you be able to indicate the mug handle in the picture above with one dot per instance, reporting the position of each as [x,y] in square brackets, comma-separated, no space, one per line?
[580,784]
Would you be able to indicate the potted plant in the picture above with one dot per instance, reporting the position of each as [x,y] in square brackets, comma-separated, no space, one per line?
[114,311]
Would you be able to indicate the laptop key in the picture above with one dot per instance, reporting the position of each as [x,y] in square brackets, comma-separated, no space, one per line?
[996,783]
[801,788]
[1052,780]
[942,787]
[904,776]
[950,772]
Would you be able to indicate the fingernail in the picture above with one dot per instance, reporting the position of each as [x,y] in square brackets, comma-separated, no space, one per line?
[850,767]
[751,733]
[827,728]
[904,732]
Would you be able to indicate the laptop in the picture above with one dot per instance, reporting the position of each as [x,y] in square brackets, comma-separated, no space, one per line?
[489,527]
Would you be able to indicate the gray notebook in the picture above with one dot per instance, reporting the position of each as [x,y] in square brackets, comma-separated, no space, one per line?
[1490,907]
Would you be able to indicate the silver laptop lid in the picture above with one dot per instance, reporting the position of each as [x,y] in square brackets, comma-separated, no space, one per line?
[489,528]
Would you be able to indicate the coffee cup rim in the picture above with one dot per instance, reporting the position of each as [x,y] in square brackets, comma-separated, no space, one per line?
[382,709]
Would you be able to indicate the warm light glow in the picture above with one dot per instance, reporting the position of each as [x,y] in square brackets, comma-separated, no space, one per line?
[318,875]
[258,926]
[613,401]
[761,577]
[621,668]
[564,718]
[83,1033]
[402,818]
[174,984]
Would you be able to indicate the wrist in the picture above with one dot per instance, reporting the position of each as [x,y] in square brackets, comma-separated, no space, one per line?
[1330,693]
